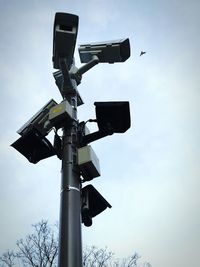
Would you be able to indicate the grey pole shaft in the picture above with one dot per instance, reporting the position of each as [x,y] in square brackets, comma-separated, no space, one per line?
[70,243]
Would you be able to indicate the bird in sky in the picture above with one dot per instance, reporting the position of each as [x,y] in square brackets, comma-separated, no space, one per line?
[142,53]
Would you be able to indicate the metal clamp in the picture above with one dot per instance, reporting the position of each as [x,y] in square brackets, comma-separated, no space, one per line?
[69,188]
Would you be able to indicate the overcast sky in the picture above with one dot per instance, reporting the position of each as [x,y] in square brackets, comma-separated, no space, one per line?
[151,173]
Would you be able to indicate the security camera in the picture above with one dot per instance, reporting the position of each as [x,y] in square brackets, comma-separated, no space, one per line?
[39,121]
[107,52]
[64,38]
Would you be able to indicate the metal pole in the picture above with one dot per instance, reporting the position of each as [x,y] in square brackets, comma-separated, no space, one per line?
[70,243]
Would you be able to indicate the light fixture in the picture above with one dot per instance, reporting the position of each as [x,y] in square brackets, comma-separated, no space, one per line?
[113,115]
[34,146]
[93,203]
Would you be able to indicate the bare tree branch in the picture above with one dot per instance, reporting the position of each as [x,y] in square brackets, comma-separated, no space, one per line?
[8,259]
[40,249]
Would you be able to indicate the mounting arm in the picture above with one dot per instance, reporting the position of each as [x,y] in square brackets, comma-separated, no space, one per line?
[76,73]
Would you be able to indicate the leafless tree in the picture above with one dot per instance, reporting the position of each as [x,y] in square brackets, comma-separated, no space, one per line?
[40,249]
[37,250]
[7,259]
[95,257]
[131,261]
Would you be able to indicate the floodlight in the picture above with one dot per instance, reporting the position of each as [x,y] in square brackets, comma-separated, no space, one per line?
[93,203]
[107,52]
[39,121]
[111,117]
[64,38]
[115,115]
[34,146]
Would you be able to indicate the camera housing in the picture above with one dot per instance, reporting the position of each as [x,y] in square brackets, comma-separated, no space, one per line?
[64,38]
[39,121]
[107,52]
